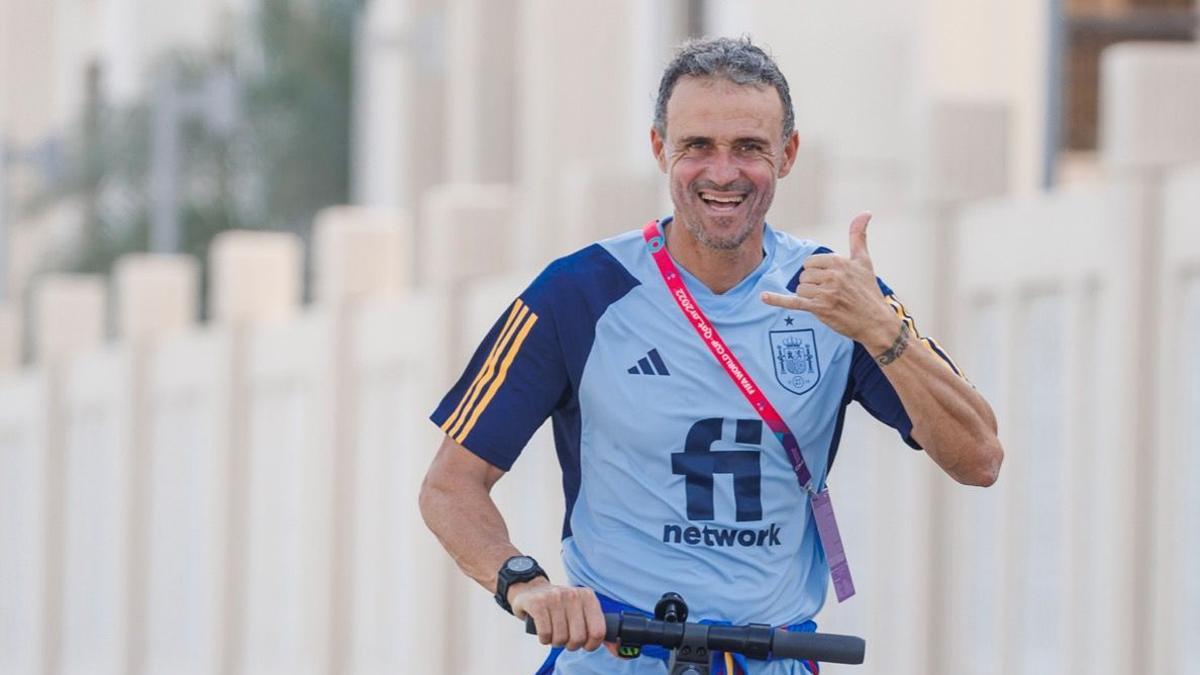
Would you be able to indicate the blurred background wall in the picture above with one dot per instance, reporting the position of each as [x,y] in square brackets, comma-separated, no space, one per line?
[245,246]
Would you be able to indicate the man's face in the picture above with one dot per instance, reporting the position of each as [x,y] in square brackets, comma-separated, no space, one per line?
[723,152]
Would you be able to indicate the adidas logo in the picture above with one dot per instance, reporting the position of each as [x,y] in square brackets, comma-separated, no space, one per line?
[650,364]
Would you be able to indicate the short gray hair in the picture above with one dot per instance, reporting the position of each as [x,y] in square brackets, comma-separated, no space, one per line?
[736,60]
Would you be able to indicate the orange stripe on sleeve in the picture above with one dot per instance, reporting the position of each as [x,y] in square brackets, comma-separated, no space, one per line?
[514,317]
[499,380]
[932,346]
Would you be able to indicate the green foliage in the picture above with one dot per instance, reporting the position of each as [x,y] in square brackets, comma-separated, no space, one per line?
[297,110]
[287,157]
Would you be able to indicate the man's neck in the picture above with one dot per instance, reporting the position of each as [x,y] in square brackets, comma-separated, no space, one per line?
[719,270]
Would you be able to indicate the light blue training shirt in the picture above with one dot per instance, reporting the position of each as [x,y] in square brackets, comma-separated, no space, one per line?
[671,480]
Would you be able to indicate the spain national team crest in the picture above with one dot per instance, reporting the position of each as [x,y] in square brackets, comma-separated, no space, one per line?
[796,364]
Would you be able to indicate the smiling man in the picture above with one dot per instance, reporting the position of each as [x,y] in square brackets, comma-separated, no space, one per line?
[697,373]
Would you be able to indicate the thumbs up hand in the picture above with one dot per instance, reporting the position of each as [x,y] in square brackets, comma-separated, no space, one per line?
[843,294]
[858,239]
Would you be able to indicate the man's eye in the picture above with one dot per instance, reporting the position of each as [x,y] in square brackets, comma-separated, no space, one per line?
[750,147]
[696,145]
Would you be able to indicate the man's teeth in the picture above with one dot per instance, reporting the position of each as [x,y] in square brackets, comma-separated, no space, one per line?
[722,200]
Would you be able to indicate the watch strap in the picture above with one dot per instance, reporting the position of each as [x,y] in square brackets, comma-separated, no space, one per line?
[506,577]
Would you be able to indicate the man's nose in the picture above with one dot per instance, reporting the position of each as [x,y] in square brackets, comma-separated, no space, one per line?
[723,170]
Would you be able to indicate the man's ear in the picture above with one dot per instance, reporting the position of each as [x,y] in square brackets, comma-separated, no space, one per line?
[658,147]
[790,148]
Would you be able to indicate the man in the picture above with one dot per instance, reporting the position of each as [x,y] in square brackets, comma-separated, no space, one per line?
[671,483]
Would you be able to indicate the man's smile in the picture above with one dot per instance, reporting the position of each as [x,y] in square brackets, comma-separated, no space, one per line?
[722,202]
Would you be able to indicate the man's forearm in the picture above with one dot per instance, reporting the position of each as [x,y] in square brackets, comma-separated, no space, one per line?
[457,506]
[467,523]
[950,419]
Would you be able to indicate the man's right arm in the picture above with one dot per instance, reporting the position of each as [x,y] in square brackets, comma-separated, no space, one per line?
[457,506]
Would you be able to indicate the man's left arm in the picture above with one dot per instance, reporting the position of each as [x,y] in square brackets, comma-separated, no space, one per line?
[950,419]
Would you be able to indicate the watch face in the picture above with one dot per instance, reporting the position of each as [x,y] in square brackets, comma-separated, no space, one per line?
[519,565]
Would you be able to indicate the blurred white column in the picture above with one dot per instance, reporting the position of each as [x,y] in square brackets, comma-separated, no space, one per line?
[800,205]
[190,625]
[531,500]
[361,252]
[1149,124]
[1150,105]
[884,491]
[27,69]
[361,257]
[399,616]
[289,455]
[170,473]
[69,315]
[156,298]
[156,295]
[278,458]
[986,50]
[255,276]
[400,122]
[481,138]
[1042,571]
[101,578]
[587,76]
[10,340]
[604,201]
[963,151]
[29,476]
[1174,616]
[962,154]
[469,233]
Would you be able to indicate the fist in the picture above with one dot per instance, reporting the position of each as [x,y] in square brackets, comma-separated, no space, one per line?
[842,292]
[566,616]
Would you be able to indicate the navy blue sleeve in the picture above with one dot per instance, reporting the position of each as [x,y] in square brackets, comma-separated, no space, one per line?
[511,385]
[871,387]
[529,365]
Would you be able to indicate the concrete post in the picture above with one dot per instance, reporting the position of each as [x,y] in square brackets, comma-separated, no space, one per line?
[469,231]
[600,202]
[1149,105]
[358,254]
[480,98]
[799,206]
[69,315]
[587,73]
[1149,123]
[10,341]
[964,152]
[361,253]
[1173,616]
[399,108]
[156,295]
[255,276]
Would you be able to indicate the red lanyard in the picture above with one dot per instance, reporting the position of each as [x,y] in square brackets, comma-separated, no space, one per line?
[822,507]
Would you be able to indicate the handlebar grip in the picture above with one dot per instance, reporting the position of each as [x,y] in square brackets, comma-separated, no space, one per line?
[612,626]
[819,647]
[826,647]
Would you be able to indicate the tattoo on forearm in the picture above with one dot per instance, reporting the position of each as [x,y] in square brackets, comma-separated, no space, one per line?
[897,348]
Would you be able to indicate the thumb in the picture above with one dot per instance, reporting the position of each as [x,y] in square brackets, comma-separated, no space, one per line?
[858,236]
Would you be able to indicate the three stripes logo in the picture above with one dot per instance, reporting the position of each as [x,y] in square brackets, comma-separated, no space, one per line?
[650,364]
[491,375]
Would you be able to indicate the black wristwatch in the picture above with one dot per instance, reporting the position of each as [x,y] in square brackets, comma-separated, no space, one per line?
[516,570]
